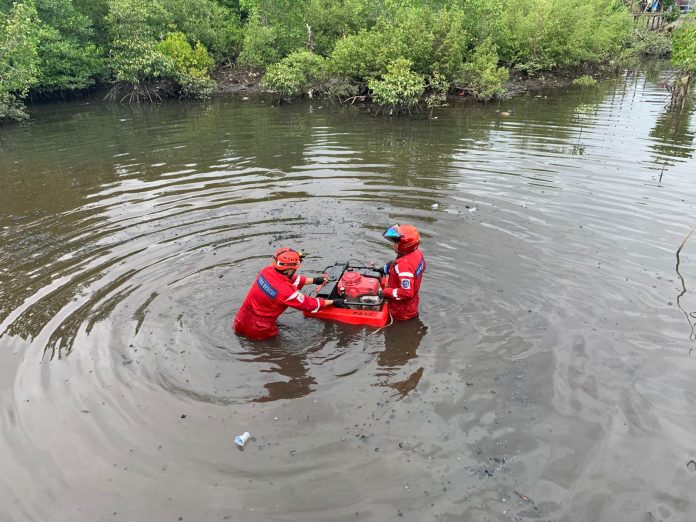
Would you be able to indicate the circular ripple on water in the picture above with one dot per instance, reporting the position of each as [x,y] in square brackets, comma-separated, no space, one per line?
[121,298]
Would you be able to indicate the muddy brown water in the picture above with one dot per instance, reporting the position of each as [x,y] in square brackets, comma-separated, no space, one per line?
[549,377]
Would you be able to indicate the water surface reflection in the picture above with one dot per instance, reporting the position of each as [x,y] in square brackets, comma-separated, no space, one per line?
[401,342]
[551,349]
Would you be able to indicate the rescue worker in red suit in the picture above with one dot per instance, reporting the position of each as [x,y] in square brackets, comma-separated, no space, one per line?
[276,287]
[405,273]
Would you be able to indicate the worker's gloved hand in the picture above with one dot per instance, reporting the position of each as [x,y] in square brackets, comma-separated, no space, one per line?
[385,269]
[339,303]
[320,280]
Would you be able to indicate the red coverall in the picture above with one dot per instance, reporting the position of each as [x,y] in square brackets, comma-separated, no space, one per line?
[404,280]
[269,296]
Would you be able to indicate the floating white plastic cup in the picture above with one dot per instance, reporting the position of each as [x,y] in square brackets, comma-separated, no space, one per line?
[240,440]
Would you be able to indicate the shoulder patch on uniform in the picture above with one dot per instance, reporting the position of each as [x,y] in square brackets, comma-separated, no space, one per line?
[266,287]
[420,267]
[405,283]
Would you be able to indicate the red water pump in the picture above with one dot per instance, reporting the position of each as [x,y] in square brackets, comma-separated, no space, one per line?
[359,286]
[353,285]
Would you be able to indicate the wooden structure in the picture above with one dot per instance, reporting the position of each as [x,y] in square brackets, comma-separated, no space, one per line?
[650,21]
[649,13]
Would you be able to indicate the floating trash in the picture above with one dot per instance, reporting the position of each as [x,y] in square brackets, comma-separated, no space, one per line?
[240,440]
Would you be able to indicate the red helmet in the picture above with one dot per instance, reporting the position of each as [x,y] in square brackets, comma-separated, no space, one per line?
[286,258]
[406,237]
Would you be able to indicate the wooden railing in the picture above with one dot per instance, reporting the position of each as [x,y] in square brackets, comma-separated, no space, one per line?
[650,21]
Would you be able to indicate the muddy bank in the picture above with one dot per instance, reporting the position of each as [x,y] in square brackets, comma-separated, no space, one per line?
[520,83]
[234,80]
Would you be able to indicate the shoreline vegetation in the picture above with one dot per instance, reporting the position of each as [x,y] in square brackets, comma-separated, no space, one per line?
[400,55]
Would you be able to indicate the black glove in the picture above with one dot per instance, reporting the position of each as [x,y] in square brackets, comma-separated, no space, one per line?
[339,303]
[319,280]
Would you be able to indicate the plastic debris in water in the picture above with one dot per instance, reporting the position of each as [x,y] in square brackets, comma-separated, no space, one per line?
[473,209]
[434,206]
[240,440]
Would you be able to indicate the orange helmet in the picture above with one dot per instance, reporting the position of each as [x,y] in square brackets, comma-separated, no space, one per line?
[285,258]
[406,237]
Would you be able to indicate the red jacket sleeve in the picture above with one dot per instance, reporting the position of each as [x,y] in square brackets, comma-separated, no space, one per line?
[291,296]
[406,278]
[299,280]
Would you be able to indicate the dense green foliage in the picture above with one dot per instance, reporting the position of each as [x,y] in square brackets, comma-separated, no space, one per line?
[133,26]
[684,47]
[210,22]
[481,75]
[69,58]
[274,29]
[651,43]
[398,87]
[299,73]
[585,81]
[540,35]
[188,65]
[148,47]
[392,51]
[684,57]
[19,59]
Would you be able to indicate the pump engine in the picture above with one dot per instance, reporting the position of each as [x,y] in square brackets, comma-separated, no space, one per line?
[359,286]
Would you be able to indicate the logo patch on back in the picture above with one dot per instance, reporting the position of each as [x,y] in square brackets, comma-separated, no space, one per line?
[405,283]
[266,287]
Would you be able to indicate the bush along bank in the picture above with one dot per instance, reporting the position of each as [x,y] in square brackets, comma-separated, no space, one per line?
[141,50]
[396,53]
[684,58]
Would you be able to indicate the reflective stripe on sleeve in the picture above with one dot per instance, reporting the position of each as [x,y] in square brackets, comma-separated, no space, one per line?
[297,280]
[319,303]
[402,274]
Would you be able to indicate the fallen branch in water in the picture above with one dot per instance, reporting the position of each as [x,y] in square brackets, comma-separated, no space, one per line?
[692,335]
[352,99]
[684,240]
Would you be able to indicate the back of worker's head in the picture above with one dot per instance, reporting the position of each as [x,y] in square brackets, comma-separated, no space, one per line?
[286,259]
